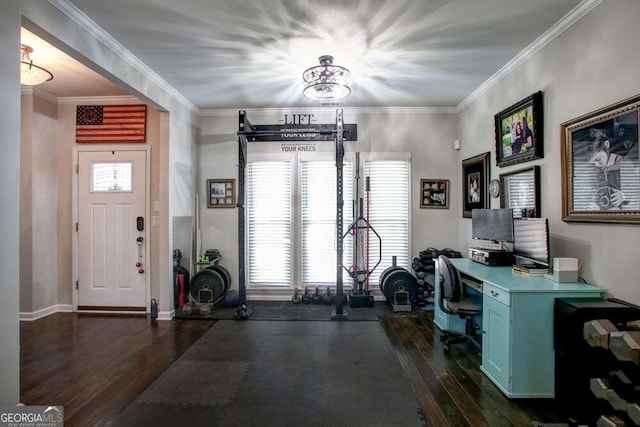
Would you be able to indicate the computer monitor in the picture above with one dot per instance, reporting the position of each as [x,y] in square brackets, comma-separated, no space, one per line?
[492,224]
[531,241]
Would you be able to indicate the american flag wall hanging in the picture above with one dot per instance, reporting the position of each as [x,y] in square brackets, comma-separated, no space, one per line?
[111,123]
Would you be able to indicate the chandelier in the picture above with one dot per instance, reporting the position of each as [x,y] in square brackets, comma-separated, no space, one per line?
[326,82]
[30,73]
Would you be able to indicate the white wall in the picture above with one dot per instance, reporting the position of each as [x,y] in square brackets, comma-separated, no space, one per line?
[10,203]
[428,136]
[592,65]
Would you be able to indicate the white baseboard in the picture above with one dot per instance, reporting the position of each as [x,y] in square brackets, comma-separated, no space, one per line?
[166,315]
[39,314]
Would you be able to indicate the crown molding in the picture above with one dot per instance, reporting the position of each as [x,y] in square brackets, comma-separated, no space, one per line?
[37,92]
[73,100]
[318,110]
[547,37]
[87,24]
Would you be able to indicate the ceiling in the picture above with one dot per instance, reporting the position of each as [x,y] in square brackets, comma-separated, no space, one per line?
[233,54]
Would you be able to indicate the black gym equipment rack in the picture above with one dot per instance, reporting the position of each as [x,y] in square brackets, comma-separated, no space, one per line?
[316,132]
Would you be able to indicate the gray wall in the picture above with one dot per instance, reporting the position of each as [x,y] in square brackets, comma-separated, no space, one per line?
[38,201]
[427,135]
[590,66]
[10,202]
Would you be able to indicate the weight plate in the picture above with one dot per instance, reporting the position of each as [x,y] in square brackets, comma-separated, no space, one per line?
[224,273]
[207,286]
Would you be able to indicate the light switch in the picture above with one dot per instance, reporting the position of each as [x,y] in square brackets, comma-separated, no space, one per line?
[156,206]
[155,221]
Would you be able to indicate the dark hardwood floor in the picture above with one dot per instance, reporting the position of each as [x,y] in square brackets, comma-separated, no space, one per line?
[95,366]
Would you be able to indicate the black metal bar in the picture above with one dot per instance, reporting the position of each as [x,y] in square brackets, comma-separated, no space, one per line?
[339,313]
[242,163]
[298,133]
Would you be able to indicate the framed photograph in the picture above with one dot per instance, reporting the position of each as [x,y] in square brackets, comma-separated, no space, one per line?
[519,131]
[434,193]
[600,165]
[222,193]
[475,184]
[520,191]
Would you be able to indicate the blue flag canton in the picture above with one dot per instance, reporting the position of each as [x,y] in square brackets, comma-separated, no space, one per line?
[89,115]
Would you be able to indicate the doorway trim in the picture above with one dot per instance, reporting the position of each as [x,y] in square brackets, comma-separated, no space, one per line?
[75,214]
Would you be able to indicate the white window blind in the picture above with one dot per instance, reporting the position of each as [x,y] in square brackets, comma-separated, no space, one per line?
[520,192]
[389,212]
[318,218]
[269,228]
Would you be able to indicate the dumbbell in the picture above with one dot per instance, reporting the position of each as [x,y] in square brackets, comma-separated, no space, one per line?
[625,346]
[597,332]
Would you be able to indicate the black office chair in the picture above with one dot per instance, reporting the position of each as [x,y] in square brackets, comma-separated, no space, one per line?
[451,301]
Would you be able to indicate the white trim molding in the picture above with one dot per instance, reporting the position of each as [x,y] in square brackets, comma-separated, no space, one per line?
[87,24]
[39,314]
[166,315]
[228,112]
[547,37]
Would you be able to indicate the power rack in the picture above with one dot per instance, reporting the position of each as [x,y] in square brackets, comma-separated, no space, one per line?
[340,132]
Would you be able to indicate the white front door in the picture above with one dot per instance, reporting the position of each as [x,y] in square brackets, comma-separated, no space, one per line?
[112,263]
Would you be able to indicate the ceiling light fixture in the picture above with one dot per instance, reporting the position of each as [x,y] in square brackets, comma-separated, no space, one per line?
[326,82]
[30,73]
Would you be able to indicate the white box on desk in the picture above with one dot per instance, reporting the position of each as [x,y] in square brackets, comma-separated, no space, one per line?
[565,270]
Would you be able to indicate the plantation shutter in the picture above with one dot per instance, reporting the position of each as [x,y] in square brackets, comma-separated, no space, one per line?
[389,212]
[318,218]
[269,228]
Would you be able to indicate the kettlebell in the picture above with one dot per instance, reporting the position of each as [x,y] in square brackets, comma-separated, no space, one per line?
[328,298]
[316,298]
[306,297]
[296,296]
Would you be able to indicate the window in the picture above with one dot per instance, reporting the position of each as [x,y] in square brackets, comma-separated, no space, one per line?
[111,176]
[389,212]
[318,214]
[280,254]
[269,229]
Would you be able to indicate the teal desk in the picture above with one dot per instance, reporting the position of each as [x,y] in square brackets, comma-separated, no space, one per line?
[517,326]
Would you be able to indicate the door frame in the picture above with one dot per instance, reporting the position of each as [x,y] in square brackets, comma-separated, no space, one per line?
[75,215]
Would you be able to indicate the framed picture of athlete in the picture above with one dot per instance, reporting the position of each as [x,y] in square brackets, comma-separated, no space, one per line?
[600,169]
[519,132]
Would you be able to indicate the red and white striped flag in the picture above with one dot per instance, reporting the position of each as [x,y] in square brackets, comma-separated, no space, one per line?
[111,123]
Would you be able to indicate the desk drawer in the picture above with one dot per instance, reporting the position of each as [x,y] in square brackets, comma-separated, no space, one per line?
[496,293]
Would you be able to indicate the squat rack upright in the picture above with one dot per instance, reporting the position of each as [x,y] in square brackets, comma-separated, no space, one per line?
[252,133]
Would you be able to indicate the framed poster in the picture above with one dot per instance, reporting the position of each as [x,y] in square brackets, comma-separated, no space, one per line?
[475,184]
[434,193]
[221,193]
[600,177]
[519,131]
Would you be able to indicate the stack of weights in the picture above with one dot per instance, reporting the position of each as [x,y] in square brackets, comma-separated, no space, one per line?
[424,269]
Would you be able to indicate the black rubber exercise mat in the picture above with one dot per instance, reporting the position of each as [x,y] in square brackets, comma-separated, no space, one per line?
[282,310]
[273,373]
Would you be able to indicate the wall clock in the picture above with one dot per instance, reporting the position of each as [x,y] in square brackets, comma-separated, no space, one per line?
[494,188]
